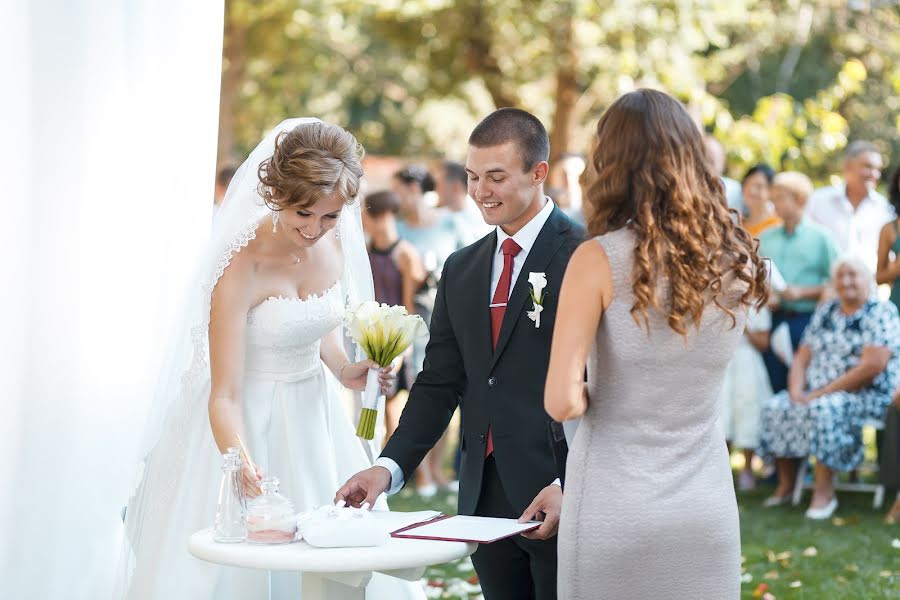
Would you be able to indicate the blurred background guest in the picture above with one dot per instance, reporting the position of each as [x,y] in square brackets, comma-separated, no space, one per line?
[565,188]
[889,457]
[716,154]
[746,385]
[843,374]
[852,211]
[888,270]
[755,188]
[452,190]
[436,235]
[803,254]
[397,274]
[223,178]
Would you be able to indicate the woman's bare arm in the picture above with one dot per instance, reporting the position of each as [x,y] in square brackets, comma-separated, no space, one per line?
[587,290]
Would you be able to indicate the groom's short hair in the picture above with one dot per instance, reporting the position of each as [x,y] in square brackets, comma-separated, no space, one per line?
[514,125]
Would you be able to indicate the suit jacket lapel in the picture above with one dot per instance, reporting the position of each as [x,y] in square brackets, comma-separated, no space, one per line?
[545,246]
[479,294]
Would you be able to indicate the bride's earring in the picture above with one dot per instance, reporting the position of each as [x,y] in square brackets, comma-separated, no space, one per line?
[337,233]
[274,221]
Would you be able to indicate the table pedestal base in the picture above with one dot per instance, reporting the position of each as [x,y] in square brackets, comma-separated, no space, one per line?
[335,586]
[315,586]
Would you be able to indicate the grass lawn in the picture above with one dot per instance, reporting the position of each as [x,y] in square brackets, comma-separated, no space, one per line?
[854,556]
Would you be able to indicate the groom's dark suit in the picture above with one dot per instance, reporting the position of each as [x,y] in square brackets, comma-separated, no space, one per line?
[500,387]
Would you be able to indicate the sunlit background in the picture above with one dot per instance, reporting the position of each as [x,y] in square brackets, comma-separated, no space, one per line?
[116,114]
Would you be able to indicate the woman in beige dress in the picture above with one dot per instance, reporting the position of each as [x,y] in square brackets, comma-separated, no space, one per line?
[654,305]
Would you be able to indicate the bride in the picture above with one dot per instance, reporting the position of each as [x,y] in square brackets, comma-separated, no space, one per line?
[260,355]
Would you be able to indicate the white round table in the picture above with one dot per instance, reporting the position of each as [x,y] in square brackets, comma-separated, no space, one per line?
[324,571]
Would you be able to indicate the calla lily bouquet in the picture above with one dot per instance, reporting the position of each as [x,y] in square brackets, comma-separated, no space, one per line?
[383,332]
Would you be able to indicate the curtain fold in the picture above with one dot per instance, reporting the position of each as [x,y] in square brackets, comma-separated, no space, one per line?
[109,110]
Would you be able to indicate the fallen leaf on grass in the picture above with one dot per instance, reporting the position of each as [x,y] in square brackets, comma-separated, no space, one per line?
[895,544]
[852,568]
[842,580]
[838,522]
[760,590]
[811,551]
[771,575]
[885,574]
[768,596]
[796,584]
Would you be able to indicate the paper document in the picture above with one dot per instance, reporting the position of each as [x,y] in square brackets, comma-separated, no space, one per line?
[483,530]
[400,520]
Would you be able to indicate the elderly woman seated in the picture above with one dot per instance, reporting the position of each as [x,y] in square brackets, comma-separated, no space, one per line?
[842,375]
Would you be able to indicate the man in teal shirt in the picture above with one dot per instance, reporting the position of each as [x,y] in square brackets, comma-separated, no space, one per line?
[803,253]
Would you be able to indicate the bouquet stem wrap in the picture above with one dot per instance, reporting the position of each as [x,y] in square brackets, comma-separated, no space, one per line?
[369,413]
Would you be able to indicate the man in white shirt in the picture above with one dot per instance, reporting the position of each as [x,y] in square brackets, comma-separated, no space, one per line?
[852,211]
[716,153]
[452,191]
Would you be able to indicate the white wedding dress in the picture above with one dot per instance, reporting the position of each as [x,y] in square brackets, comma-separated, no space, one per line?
[298,431]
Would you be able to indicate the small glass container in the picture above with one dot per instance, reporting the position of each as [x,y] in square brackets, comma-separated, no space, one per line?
[270,517]
[230,523]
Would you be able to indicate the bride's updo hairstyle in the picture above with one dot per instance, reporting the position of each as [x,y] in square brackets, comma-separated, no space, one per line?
[651,174]
[311,161]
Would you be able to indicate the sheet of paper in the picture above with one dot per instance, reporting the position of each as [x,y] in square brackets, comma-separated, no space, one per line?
[398,520]
[471,529]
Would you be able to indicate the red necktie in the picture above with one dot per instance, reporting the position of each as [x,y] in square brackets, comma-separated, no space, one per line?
[498,306]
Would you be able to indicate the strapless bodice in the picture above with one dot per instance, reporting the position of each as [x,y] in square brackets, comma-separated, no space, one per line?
[283,334]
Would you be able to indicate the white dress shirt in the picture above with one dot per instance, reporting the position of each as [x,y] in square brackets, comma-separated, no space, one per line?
[855,231]
[525,238]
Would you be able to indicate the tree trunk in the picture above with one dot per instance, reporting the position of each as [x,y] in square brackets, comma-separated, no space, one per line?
[567,91]
[480,60]
[233,69]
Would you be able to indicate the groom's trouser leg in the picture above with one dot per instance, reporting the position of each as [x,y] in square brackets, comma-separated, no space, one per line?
[515,568]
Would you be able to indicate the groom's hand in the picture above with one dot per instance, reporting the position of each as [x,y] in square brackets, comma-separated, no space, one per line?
[364,487]
[549,502]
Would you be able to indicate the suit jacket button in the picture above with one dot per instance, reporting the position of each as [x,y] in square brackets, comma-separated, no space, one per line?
[492,381]
[482,438]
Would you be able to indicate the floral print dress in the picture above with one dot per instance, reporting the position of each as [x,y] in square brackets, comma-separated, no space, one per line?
[829,427]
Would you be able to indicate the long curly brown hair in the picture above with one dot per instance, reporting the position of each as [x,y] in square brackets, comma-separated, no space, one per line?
[651,174]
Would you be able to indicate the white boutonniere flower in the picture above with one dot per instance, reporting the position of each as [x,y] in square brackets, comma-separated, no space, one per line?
[538,282]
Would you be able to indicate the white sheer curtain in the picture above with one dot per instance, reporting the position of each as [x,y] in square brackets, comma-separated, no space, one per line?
[109,112]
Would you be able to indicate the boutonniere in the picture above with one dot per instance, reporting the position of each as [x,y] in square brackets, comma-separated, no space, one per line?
[538,282]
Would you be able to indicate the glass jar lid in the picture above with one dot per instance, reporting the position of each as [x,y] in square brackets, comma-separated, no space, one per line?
[271,504]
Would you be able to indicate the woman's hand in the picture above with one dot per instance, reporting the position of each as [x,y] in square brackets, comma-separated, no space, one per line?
[353,375]
[798,396]
[250,481]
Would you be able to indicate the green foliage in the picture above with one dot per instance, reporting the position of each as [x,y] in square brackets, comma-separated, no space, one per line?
[786,81]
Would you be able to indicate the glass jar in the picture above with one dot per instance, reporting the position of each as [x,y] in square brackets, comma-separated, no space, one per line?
[270,517]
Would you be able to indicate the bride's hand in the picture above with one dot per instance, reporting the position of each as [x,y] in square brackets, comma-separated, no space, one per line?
[353,376]
[250,481]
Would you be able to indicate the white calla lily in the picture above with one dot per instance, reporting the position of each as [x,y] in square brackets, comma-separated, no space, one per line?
[538,282]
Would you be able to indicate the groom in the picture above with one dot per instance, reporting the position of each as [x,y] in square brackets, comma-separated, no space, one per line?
[489,356]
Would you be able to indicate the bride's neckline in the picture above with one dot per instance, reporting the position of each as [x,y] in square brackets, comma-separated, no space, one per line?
[309,297]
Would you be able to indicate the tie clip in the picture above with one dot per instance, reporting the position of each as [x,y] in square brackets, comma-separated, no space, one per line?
[502,304]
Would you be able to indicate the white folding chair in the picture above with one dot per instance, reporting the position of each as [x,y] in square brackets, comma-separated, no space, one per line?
[877,490]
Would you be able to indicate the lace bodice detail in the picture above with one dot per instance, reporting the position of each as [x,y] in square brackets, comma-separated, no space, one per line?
[283,334]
